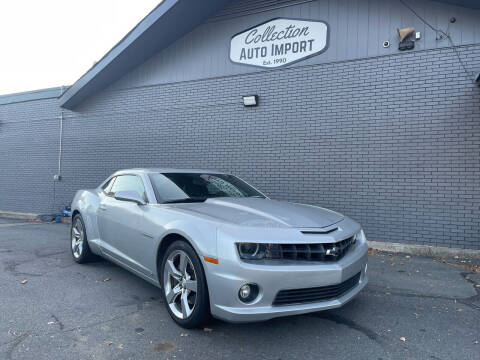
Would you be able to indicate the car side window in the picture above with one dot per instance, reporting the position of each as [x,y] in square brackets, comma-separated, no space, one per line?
[129,183]
[107,186]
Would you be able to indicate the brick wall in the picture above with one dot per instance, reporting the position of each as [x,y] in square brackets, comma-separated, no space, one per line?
[393,141]
[29,143]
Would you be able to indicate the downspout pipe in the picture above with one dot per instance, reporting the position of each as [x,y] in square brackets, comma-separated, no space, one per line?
[58,176]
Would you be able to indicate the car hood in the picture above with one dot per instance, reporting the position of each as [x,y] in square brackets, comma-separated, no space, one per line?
[264,212]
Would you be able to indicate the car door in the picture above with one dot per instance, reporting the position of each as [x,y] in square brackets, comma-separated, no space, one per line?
[120,223]
[105,197]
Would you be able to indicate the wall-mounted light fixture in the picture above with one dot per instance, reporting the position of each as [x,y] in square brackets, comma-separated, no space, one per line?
[405,36]
[250,100]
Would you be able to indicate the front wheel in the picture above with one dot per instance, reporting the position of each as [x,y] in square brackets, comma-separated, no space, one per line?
[79,245]
[184,286]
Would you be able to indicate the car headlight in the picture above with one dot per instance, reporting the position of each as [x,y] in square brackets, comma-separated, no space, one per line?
[251,251]
[256,251]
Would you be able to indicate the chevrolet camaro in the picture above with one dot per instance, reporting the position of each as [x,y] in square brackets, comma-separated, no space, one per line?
[217,246]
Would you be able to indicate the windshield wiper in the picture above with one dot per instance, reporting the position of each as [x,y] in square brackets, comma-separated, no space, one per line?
[185,200]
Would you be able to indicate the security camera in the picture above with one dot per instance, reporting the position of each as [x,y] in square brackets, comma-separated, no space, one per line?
[477,78]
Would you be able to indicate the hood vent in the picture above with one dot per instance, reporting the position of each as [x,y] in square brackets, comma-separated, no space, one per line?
[318,232]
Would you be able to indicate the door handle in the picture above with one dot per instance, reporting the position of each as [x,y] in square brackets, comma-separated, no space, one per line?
[102,207]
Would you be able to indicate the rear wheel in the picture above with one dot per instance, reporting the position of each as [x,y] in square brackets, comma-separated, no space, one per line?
[184,286]
[79,245]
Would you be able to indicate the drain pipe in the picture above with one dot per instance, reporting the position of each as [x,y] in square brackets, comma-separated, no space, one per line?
[58,176]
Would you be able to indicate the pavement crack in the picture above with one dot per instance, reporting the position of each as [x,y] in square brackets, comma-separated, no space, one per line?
[15,343]
[11,267]
[41,254]
[372,335]
[21,337]
[472,301]
[398,292]
[388,344]
[96,323]
[58,322]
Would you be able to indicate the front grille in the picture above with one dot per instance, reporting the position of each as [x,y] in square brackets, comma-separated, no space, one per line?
[322,293]
[312,252]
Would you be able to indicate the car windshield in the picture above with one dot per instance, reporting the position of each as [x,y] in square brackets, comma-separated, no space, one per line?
[192,187]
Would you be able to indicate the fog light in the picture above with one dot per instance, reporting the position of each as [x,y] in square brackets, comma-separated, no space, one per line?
[248,292]
[245,291]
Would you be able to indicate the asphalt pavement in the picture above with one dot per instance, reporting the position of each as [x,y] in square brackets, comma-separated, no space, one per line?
[52,308]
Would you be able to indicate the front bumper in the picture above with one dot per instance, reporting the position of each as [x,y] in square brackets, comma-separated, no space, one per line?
[226,278]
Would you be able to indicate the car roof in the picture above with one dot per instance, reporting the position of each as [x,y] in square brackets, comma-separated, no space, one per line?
[165,170]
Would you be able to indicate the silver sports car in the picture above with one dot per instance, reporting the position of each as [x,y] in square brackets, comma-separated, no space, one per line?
[218,246]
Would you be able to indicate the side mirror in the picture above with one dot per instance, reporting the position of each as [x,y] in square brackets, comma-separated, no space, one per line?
[131,196]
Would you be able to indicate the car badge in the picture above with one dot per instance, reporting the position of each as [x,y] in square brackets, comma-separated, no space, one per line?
[332,251]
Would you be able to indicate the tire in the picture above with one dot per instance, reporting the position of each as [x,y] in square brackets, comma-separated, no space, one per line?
[81,252]
[184,286]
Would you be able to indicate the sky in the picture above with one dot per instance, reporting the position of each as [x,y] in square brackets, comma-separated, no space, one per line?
[47,43]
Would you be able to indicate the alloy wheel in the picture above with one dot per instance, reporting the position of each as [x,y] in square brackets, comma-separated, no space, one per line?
[77,238]
[180,284]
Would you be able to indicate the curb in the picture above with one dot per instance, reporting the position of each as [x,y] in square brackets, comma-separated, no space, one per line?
[424,250]
[32,216]
[19,215]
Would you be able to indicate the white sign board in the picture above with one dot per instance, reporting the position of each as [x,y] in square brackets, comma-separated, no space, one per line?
[279,42]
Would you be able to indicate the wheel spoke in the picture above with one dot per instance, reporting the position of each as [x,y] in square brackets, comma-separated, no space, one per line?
[76,233]
[186,311]
[191,285]
[183,263]
[171,296]
[172,271]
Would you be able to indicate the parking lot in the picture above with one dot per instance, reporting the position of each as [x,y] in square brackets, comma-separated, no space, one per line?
[53,308]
